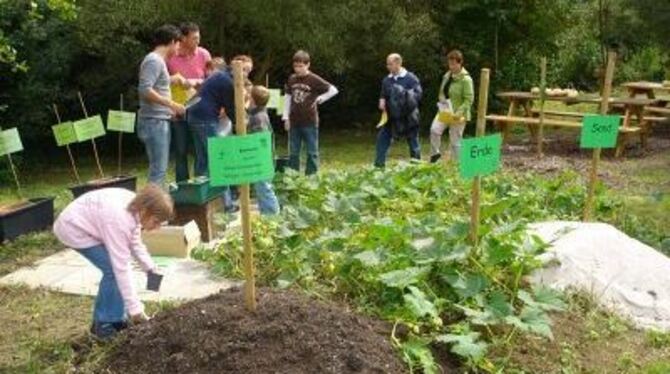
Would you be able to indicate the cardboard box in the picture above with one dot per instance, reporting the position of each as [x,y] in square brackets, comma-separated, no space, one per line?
[173,241]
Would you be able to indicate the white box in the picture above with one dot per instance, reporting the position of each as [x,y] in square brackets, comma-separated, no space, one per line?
[173,241]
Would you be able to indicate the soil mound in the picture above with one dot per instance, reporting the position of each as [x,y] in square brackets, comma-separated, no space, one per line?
[289,333]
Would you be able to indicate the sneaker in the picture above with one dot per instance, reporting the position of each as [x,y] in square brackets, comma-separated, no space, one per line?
[106,331]
[434,158]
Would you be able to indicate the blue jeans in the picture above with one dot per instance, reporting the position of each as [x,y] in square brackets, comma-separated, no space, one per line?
[309,135]
[109,307]
[201,131]
[181,140]
[384,140]
[155,134]
[267,200]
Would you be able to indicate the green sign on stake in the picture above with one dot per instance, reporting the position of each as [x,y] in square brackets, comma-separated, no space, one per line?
[600,131]
[242,159]
[480,156]
[275,97]
[64,133]
[121,121]
[10,142]
[89,128]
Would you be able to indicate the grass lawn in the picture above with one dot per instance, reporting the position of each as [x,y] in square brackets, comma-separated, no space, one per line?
[45,332]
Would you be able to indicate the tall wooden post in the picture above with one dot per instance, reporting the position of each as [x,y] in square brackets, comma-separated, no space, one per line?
[67,146]
[95,148]
[543,86]
[481,130]
[604,108]
[241,129]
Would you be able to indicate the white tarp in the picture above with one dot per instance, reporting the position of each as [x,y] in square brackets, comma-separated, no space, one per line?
[624,275]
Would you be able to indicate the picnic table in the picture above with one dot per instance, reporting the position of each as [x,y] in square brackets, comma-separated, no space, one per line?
[523,101]
[645,88]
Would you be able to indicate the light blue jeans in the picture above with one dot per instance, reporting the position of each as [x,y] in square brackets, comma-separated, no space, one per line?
[267,200]
[109,307]
[155,134]
[310,136]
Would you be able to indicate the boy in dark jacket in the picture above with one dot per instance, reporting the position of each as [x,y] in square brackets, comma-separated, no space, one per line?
[400,98]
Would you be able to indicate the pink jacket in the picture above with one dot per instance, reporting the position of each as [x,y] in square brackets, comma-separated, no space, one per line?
[101,217]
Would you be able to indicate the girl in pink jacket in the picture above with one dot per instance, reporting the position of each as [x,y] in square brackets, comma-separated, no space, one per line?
[105,227]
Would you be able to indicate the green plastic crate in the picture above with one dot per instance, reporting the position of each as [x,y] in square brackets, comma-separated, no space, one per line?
[195,191]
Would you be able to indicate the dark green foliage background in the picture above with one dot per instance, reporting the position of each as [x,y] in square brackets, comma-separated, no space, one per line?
[50,49]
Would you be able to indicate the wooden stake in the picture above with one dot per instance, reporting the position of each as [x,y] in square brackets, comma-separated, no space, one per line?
[543,86]
[481,130]
[95,148]
[120,141]
[67,146]
[241,129]
[604,108]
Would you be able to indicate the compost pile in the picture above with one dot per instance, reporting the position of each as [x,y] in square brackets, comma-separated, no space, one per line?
[289,333]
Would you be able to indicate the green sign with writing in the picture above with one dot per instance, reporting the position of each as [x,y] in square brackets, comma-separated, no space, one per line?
[121,121]
[89,128]
[243,159]
[64,133]
[480,156]
[275,97]
[600,131]
[10,141]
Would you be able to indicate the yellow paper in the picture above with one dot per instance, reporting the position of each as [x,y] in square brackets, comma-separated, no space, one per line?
[383,119]
[180,94]
[449,118]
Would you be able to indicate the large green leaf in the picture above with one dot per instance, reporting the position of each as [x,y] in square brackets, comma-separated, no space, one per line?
[465,345]
[417,353]
[543,298]
[402,278]
[368,258]
[418,303]
[532,319]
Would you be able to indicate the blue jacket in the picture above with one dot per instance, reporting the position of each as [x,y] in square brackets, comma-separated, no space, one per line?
[403,94]
[218,91]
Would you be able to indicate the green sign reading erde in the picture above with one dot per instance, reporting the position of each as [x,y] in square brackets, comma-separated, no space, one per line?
[480,156]
[600,131]
[64,133]
[121,121]
[235,160]
[10,142]
[89,128]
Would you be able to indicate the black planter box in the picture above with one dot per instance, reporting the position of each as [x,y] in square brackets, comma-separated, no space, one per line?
[121,181]
[36,216]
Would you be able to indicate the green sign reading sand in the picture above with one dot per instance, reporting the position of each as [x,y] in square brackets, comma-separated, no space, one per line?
[480,156]
[244,159]
[120,121]
[89,128]
[600,131]
[10,141]
[64,133]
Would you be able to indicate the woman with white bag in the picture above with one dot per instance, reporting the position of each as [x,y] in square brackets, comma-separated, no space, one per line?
[455,102]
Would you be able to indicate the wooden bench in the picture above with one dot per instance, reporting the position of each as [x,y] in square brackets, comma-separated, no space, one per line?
[549,122]
[657,110]
[534,122]
[554,113]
